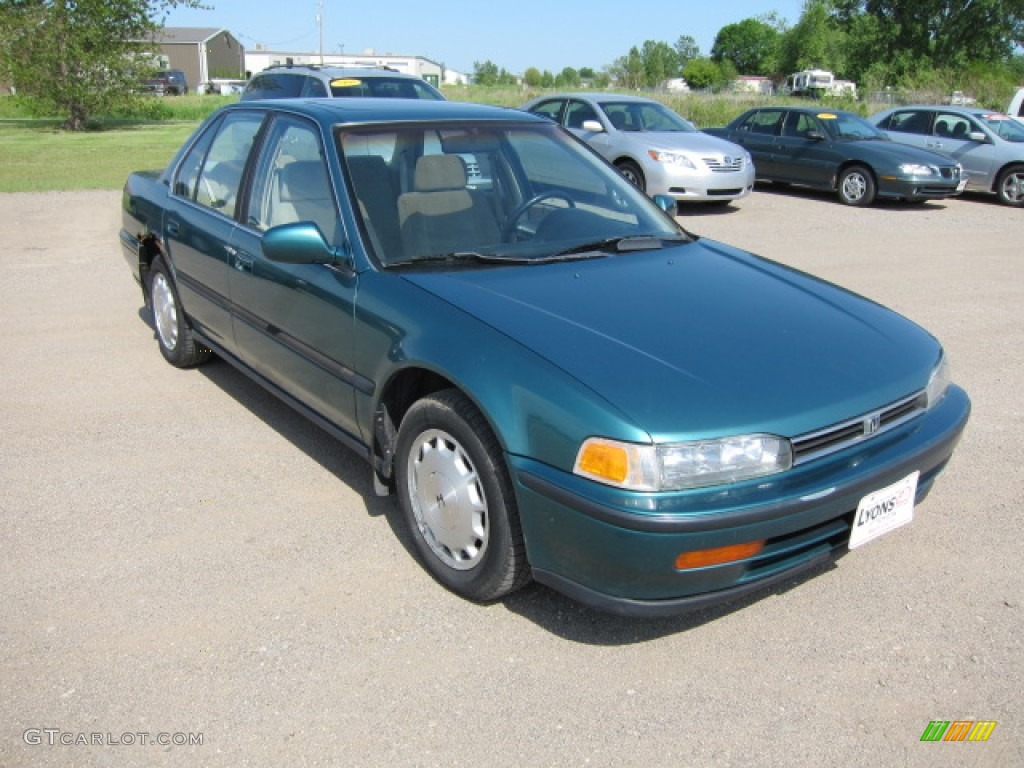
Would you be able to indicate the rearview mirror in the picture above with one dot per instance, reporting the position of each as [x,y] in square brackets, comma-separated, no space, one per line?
[667,204]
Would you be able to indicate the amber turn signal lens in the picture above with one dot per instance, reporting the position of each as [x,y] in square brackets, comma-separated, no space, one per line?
[704,557]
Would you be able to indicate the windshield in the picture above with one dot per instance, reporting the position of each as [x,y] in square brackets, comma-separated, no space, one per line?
[385,87]
[481,193]
[645,116]
[843,125]
[1004,126]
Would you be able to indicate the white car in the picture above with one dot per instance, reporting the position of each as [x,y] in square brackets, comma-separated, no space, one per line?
[656,149]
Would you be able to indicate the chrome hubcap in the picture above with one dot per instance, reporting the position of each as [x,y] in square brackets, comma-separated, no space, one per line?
[448,500]
[1013,187]
[165,313]
[854,186]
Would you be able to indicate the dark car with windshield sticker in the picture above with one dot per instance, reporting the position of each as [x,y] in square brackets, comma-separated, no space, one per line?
[556,381]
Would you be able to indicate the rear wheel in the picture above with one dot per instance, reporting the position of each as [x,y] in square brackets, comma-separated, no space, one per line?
[1010,186]
[457,499]
[856,186]
[172,329]
[631,171]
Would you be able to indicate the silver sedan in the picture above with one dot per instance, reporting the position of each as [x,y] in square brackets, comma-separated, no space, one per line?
[652,146]
[989,145]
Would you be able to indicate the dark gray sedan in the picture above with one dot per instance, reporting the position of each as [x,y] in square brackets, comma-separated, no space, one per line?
[839,151]
[989,145]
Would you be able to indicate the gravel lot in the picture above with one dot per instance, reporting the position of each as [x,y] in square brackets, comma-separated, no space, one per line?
[185,555]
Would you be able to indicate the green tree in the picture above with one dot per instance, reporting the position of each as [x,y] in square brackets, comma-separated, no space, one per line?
[568,78]
[661,62]
[702,73]
[488,73]
[80,58]
[816,41]
[751,45]
[532,77]
[686,49]
[628,70]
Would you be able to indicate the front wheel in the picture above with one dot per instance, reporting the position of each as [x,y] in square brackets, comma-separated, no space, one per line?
[1010,186]
[172,329]
[856,186]
[457,499]
[632,173]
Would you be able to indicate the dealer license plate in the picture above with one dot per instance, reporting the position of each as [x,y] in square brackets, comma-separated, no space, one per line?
[884,511]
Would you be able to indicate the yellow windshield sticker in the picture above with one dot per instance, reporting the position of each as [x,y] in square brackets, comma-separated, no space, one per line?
[827,116]
[346,83]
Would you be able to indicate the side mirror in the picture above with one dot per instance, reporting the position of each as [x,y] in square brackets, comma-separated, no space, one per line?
[977,136]
[667,204]
[815,135]
[593,126]
[298,243]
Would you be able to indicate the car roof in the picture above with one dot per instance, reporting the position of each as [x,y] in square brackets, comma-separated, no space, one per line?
[377,110]
[974,111]
[598,97]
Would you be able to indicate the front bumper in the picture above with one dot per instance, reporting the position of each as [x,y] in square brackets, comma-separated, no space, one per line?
[917,189]
[685,185]
[616,550]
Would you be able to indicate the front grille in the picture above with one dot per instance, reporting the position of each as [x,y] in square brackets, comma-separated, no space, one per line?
[724,164]
[814,445]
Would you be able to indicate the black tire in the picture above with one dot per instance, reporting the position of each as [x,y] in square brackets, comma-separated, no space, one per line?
[456,497]
[1010,186]
[857,186]
[173,333]
[631,171]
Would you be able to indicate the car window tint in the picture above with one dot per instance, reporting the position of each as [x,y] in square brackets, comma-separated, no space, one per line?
[800,124]
[313,88]
[951,125]
[766,121]
[291,183]
[221,175]
[577,112]
[550,109]
[187,177]
[279,85]
[910,121]
[383,87]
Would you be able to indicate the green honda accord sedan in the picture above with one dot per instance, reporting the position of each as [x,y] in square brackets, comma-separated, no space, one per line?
[555,379]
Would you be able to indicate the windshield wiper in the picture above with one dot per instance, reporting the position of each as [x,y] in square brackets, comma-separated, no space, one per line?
[457,257]
[620,244]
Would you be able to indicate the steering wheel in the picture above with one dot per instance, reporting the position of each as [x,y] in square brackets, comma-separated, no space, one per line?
[513,220]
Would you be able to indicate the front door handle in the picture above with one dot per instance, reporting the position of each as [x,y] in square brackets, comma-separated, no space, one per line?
[240,260]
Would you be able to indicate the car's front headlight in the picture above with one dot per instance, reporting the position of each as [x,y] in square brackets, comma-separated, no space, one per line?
[938,382]
[671,158]
[916,169]
[677,466]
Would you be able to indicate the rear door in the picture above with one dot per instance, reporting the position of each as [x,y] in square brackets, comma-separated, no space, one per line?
[757,134]
[200,220]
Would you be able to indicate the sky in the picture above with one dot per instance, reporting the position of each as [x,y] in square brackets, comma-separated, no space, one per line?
[547,34]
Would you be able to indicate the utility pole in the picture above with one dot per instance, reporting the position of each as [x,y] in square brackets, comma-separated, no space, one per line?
[320,24]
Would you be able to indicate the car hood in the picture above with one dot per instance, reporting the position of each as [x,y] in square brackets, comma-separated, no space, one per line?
[702,339]
[676,140]
[897,153]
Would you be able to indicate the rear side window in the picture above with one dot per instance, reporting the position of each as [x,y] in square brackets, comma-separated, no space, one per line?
[766,121]
[279,85]
[911,121]
[211,173]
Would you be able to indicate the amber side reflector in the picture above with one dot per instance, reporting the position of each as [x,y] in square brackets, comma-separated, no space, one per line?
[704,557]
